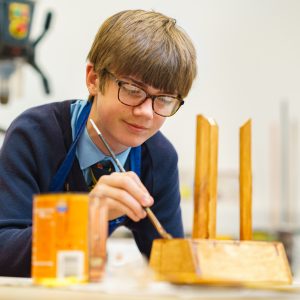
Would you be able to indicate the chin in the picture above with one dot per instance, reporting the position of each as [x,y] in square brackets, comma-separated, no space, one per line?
[134,142]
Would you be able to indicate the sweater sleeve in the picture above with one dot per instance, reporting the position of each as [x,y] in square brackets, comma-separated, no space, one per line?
[25,170]
[160,176]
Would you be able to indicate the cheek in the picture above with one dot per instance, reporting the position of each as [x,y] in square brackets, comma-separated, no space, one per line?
[158,121]
[106,106]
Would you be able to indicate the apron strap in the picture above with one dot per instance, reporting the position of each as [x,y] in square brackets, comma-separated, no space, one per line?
[60,177]
[135,159]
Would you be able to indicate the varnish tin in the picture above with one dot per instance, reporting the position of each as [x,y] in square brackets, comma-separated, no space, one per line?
[68,238]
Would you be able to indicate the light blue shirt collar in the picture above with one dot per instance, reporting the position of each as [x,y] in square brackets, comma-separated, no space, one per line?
[87,152]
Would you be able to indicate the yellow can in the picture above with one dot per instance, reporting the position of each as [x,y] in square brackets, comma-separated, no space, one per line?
[63,238]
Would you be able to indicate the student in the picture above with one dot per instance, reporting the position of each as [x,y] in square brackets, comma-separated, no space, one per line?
[140,68]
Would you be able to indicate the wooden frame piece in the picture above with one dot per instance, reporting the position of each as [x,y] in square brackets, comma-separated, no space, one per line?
[205,188]
[245,182]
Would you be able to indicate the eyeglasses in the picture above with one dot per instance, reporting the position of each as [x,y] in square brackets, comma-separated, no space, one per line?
[131,95]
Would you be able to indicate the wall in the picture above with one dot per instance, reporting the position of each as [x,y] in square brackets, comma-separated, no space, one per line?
[248,58]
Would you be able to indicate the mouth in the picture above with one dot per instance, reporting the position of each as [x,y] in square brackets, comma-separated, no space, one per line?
[136,127]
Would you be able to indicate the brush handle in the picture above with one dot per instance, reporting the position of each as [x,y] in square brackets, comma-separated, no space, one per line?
[149,212]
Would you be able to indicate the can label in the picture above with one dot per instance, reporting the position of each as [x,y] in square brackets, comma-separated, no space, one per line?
[63,243]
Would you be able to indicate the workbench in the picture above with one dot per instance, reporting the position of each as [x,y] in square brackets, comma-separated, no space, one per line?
[128,277]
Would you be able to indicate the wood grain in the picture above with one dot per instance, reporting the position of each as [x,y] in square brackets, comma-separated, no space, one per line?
[202,261]
[245,182]
[98,229]
[205,187]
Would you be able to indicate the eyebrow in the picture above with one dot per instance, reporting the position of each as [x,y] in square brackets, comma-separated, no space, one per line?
[142,84]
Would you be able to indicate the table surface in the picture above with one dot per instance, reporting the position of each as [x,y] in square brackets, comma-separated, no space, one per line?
[120,288]
[127,276]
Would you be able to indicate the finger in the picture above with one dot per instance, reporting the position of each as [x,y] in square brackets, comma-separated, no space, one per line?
[131,183]
[102,190]
[138,181]
[114,209]
[122,209]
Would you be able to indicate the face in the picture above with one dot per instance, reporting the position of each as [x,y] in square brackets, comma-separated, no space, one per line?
[122,126]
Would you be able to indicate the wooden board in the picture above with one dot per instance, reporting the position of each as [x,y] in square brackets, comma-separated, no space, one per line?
[205,189]
[220,262]
[245,182]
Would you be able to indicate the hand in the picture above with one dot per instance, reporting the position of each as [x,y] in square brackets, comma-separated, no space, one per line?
[124,194]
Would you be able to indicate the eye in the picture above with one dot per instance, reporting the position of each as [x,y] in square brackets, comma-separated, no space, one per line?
[132,90]
[165,101]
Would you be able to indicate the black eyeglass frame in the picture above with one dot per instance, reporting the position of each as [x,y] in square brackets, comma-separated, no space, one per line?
[152,97]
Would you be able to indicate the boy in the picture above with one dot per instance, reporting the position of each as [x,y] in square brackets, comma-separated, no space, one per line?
[140,67]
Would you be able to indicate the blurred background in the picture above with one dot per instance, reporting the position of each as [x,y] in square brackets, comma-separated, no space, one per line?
[249,67]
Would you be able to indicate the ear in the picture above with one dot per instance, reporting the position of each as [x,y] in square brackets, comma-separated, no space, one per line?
[92,81]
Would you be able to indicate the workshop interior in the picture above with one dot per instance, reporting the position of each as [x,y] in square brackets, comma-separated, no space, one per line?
[248,69]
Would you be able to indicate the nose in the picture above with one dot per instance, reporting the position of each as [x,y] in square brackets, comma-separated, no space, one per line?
[144,109]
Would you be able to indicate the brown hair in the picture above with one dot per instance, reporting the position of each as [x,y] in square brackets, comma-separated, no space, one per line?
[148,46]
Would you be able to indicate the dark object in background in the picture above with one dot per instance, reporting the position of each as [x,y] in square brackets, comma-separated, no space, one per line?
[15,45]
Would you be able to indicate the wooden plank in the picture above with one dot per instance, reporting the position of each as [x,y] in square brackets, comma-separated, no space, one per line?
[202,261]
[205,187]
[245,182]
[98,230]
[213,171]
[200,228]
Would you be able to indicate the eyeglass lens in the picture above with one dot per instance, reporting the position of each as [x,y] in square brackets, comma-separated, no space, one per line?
[133,96]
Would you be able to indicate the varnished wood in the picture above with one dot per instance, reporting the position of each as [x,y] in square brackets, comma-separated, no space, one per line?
[205,187]
[212,221]
[98,229]
[245,182]
[220,262]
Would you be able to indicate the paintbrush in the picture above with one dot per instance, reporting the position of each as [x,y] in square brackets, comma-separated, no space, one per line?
[149,212]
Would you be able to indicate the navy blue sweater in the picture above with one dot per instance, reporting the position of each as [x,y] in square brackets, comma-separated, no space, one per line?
[34,147]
